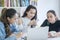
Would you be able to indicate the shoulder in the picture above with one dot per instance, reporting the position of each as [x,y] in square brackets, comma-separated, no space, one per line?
[45,20]
[1,24]
[25,19]
[45,23]
[58,21]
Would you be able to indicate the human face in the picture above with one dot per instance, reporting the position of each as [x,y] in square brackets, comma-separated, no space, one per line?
[51,17]
[13,19]
[31,13]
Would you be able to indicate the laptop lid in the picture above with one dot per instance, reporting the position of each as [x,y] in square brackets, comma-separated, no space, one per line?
[40,33]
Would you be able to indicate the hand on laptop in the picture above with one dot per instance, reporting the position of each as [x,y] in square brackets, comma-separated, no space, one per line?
[52,34]
[49,35]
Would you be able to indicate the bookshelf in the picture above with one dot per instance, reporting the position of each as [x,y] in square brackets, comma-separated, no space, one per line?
[18,5]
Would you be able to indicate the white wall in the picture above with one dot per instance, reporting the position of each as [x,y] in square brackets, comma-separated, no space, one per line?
[44,6]
[59,8]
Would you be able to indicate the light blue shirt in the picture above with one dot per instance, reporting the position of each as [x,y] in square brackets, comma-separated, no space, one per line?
[3,33]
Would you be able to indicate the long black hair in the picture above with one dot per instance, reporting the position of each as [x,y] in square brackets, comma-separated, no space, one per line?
[28,9]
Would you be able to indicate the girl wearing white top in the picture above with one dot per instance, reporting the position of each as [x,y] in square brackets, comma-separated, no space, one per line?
[29,17]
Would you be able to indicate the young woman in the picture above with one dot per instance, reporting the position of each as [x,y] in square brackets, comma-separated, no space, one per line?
[53,23]
[29,17]
[7,29]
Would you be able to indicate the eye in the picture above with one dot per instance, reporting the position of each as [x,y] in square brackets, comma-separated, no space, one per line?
[50,16]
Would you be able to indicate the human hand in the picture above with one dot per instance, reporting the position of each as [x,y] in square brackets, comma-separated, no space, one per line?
[20,21]
[32,22]
[57,34]
[52,34]
[19,35]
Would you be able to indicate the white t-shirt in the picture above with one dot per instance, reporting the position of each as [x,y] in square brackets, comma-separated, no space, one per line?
[26,21]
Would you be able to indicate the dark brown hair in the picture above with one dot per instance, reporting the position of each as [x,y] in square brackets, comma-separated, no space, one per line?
[52,11]
[4,14]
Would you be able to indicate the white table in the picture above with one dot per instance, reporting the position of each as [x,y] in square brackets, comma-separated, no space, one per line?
[57,38]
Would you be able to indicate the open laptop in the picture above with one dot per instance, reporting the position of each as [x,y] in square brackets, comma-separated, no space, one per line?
[40,33]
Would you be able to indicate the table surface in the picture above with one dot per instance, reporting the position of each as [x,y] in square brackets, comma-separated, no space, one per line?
[57,38]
